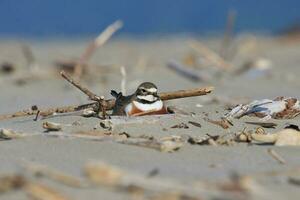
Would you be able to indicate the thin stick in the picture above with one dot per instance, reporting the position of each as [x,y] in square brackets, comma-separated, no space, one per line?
[98,42]
[231,16]
[276,156]
[123,82]
[37,115]
[210,55]
[49,111]
[86,91]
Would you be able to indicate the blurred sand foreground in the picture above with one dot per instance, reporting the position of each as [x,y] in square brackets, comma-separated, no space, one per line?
[229,171]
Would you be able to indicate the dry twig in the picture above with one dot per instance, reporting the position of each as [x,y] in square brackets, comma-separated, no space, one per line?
[123,82]
[91,95]
[104,104]
[228,34]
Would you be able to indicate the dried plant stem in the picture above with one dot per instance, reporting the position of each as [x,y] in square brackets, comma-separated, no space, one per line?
[231,16]
[123,82]
[210,55]
[98,42]
[29,56]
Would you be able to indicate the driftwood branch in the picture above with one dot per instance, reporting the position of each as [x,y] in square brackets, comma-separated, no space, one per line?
[100,103]
[165,96]
[91,48]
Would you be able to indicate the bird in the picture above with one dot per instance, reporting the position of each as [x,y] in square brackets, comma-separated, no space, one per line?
[144,101]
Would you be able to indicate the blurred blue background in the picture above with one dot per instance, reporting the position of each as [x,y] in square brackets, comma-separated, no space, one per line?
[38,18]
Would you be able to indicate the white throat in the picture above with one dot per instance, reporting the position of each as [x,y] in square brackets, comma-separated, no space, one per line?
[155,106]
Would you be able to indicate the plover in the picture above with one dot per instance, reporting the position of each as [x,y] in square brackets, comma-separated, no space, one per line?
[145,101]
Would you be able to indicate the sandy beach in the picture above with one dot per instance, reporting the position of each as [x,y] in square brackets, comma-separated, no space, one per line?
[239,170]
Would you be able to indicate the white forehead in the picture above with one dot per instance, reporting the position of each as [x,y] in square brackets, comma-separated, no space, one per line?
[149,98]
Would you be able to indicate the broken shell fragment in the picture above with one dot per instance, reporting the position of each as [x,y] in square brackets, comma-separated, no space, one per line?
[89,112]
[170,146]
[51,126]
[6,134]
[244,136]
[284,137]
[204,140]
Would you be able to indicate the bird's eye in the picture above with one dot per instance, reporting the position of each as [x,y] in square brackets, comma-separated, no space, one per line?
[143,90]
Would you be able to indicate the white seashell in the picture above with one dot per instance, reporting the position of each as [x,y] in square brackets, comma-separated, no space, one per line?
[266,108]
